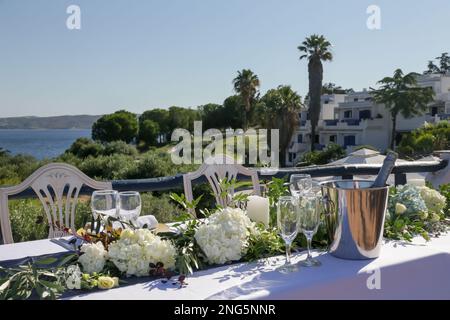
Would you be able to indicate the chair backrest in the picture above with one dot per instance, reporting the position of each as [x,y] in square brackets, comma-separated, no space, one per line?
[216,169]
[57,186]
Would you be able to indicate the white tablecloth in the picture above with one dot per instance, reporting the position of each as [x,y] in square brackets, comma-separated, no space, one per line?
[415,270]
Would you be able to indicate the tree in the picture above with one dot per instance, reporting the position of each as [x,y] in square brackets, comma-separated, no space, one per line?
[281,108]
[432,68]
[84,147]
[401,95]
[120,125]
[330,88]
[211,115]
[316,49]
[182,118]
[444,65]
[246,84]
[148,132]
[232,113]
[159,116]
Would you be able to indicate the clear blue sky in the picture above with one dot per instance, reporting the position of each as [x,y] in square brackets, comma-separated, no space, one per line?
[157,53]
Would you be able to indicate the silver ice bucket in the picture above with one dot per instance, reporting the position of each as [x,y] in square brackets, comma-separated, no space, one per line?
[354,217]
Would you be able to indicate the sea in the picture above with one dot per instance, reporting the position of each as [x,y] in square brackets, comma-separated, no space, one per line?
[40,143]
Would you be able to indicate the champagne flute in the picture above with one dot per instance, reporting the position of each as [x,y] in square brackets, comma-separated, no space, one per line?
[310,209]
[288,225]
[130,206]
[299,184]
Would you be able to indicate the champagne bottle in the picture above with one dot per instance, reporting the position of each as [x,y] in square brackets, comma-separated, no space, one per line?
[386,169]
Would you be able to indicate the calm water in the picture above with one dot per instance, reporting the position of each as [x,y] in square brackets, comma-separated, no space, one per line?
[40,143]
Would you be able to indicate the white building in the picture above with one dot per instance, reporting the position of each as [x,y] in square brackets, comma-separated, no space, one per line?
[355,119]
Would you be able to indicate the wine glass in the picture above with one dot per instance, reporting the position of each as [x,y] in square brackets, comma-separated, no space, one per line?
[288,225]
[310,209]
[299,184]
[130,206]
[316,188]
[105,203]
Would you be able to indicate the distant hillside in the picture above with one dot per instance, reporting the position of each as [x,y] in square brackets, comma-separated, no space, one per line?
[59,122]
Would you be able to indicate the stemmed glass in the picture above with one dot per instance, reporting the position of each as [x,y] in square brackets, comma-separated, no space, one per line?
[288,225]
[105,203]
[300,184]
[130,206]
[310,209]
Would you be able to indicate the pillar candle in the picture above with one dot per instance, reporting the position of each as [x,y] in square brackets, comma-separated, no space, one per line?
[258,209]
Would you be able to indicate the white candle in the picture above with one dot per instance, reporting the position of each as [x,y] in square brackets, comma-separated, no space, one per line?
[258,209]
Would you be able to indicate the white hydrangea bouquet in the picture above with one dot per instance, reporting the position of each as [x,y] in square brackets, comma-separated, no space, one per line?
[225,236]
[415,210]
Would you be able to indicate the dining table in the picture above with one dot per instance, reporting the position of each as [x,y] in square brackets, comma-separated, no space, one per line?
[404,270]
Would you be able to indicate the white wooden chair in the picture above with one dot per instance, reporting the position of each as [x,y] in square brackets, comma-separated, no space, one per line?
[57,186]
[215,169]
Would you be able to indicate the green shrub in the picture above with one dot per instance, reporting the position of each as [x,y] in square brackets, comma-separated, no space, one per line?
[119,147]
[29,221]
[85,147]
[114,167]
[161,206]
[14,169]
[330,153]
[425,140]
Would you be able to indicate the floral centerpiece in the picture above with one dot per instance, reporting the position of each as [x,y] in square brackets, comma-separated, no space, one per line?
[111,255]
[415,210]
[225,237]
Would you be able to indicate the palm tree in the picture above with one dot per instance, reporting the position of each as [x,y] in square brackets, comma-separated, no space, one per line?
[444,62]
[432,68]
[444,65]
[401,95]
[246,84]
[316,49]
[281,111]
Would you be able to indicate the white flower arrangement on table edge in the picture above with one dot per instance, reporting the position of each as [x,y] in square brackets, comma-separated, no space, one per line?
[415,210]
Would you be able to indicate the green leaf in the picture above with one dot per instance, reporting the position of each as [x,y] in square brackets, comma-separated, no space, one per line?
[49,260]
[65,260]
[5,285]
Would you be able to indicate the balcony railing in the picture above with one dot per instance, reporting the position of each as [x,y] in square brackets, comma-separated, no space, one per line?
[346,171]
[331,122]
[351,122]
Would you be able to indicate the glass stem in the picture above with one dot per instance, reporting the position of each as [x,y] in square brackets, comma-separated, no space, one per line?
[308,242]
[288,253]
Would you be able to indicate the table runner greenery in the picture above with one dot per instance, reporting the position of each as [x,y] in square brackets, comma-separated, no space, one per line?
[226,235]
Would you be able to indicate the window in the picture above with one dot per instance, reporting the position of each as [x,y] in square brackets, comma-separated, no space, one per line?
[326,102]
[348,114]
[300,138]
[333,138]
[364,114]
[349,141]
[355,99]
